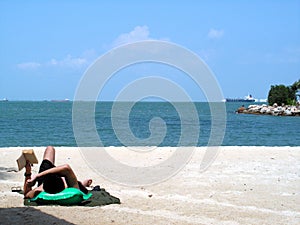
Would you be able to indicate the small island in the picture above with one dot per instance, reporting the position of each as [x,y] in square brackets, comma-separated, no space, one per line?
[283,101]
[274,110]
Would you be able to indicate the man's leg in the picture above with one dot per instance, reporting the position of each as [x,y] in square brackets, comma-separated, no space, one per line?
[62,171]
[84,184]
[87,182]
[49,154]
[48,161]
[70,179]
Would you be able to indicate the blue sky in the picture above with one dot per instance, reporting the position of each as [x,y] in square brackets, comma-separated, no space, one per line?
[46,46]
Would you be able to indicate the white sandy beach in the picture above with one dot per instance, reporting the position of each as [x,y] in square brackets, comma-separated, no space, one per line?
[244,185]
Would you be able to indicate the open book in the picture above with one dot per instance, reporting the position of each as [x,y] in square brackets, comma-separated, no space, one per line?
[26,155]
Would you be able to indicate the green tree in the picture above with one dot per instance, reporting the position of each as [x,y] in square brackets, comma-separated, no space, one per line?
[278,94]
[284,94]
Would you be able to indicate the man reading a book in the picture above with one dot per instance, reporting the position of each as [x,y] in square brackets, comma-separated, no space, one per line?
[51,179]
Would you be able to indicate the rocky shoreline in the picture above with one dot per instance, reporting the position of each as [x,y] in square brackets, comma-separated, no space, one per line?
[274,110]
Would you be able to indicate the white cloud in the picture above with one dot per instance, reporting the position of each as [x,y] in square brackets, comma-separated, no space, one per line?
[139,33]
[215,34]
[68,61]
[28,65]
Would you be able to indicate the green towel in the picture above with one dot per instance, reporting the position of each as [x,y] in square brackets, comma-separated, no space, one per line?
[99,198]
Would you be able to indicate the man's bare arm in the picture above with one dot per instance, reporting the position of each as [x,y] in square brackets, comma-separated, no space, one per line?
[34,192]
[27,187]
[64,171]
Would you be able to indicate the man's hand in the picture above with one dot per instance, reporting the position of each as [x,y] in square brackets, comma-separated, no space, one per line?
[31,182]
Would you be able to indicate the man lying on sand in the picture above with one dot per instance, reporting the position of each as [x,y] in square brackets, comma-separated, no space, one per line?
[51,179]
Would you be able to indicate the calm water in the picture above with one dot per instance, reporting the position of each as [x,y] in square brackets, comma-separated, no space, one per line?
[50,123]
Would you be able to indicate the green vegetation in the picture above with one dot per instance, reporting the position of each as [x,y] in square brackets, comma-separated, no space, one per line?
[282,94]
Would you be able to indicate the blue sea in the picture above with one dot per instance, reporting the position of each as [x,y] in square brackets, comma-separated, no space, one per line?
[34,123]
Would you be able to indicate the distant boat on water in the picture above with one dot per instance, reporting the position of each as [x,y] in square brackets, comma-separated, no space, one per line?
[4,100]
[247,98]
[60,100]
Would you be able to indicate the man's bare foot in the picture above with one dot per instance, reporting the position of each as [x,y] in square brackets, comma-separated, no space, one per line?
[87,182]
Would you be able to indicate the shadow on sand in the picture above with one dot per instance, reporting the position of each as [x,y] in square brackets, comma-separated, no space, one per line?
[28,215]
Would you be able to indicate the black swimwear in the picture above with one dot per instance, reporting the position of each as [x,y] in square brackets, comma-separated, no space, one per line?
[52,183]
